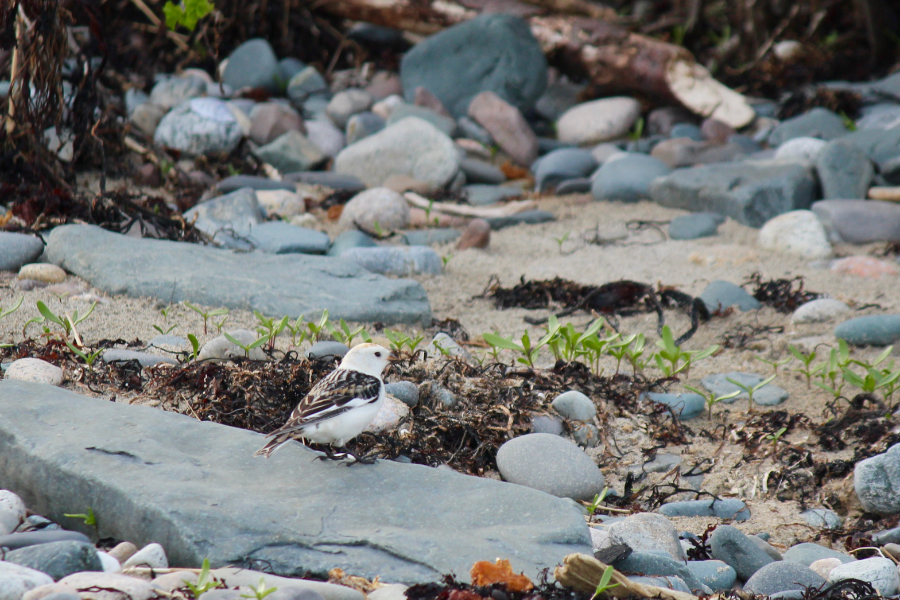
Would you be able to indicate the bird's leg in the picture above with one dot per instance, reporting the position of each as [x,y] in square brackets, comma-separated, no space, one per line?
[363,460]
[329,454]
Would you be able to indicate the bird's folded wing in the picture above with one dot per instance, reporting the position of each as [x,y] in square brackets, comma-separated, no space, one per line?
[336,393]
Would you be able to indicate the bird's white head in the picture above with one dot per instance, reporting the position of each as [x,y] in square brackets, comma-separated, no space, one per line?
[370,359]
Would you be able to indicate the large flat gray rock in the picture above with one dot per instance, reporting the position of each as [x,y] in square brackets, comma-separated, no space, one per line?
[750,192]
[194,487]
[275,285]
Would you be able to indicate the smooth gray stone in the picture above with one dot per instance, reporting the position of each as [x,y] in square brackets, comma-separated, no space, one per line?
[346,103]
[493,52]
[236,182]
[404,111]
[822,517]
[875,330]
[730,545]
[57,559]
[782,576]
[362,125]
[859,221]
[768,395]
[327,350]
[762,541]
[715,574]
[287,68]
[575,406]
[291,151]
[442,396]
[877,482]
[880,116]
[308,82]
[336,181]
[472,130]
[880,146]
[546,424]
[199,126]
[551,464]
[559,165]
[252,64]
[686,130]
[746,144]
[145,359]
[195,485]
[279,237]
[171,92]
[478,171]
[888,536]
[352,238]
[528,217]
[480,194]
[726,508]
[685,406]
[648,563]
[229,218]
[405,391]
[32,538]
[397,260]
[818,123]
[428,237]
[280,285]
[720,294]
[628,178]
[560,96]
[750,192]
[586,435]
[696,225]
[844,170]
[17,249]
[662,463]
[807,553]
[579,185]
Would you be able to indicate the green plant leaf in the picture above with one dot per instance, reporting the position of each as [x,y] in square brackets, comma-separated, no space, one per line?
[495,340]
[48,314]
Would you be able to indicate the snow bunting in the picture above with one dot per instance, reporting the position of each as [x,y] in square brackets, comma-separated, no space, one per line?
[340,405]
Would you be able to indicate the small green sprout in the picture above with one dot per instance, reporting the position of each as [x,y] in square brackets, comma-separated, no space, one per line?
[603,586]
[774,437]
[561,240]
[205,582]
[751,389]
[260,591]
[67,323]
[186,14]
[89,519]
[774,363]
[88,357]
[711,399]
[248,347]
[9,311]
[195,345]
[207,314]
[806,360]
[594,504]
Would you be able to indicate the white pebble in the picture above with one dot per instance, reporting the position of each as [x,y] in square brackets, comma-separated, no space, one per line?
[16,580]
[110,564]
[880,572]
[42,272]
[35,370]
[151,555]
[824,566]
[804,148]
[389,417]
[817,311]
[798,232]
[12,512]
[220,348]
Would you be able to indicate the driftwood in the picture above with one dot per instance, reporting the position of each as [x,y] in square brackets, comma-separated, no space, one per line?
[578,41]
[582,573]
[461,210]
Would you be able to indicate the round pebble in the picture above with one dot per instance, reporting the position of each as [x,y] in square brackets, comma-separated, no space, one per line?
[865,266]
[385,207]
[805,148]
[12,512]
[821,517]
[551,464]
[597,121]
[42,272]
[781,576]
[220,348]
[875,330]
[880,572]
[647,532]
[732,546]
[797,232]
[35,370]
[151,555]
[389,416]
[824,566]
[405,391]
[817,311]
[327,350]
[546,424]
[575,406]
[477,234]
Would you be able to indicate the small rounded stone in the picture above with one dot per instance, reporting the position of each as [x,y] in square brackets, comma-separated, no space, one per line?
[42,272]
[35,370]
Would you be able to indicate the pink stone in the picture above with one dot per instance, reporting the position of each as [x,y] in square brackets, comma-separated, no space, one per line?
[864,266]
[476,235]
[507,126]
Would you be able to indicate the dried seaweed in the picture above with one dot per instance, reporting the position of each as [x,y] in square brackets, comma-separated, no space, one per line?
[781,294]
[450,588]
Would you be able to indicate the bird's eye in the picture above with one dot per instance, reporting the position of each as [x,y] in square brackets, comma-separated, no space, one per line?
[378,354]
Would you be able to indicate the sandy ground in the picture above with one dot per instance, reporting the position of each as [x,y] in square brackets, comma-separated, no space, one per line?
[644,255]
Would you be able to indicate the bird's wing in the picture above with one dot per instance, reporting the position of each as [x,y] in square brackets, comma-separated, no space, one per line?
[336,393]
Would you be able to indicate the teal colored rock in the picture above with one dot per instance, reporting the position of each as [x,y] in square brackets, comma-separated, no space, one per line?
[350,239]
[685,406]
[768,395]
[720,294]
[877,330]
[693,226]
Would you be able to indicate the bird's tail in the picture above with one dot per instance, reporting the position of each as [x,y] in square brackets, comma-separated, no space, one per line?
[273,445]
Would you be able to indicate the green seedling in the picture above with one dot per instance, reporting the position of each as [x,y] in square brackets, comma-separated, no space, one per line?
[751,389]
[246,348]
[165,331]
[603,586]
[88,357]
[445,260]
[774,363]
[269,327]
[260,591]
[398,340]
[830,371]
[317,330]
[560,241]
[205,581]
[8,311]
[528,350]
[671,353]
[806,360]
[619,349]
[67,323]
[345,335]
[774,437]
[873,379]
[207,314]
[711,399]
[594,504]
[638,130]
[195,346]
[89,519]
[187,13]
[634,352]
[298,331]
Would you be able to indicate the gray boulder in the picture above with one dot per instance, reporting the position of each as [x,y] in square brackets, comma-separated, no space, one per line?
[253,64]
[272,284]
[197,487]
[750,192]
[493,52]
[17,249]
[877,482]
[199,126]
